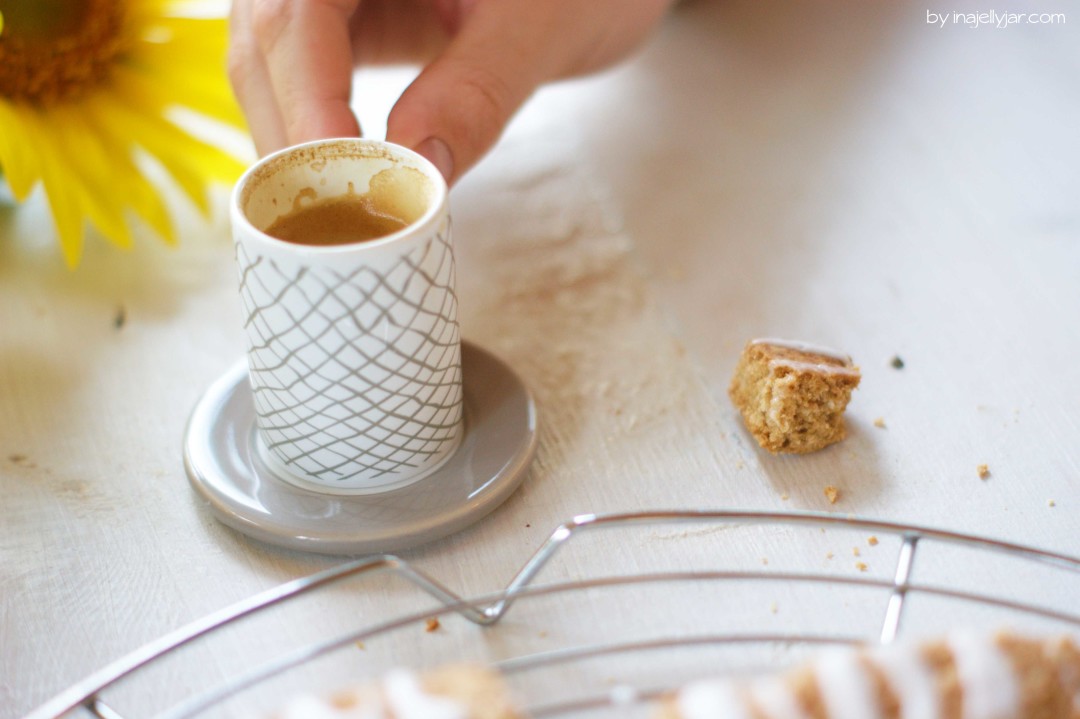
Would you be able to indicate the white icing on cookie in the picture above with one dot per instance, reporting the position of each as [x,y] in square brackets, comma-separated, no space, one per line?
[710,699]
[407,699]
[803,347]
[776,699]
[846,368]
[822,367]
[910,679]
[985,675]
[845,687]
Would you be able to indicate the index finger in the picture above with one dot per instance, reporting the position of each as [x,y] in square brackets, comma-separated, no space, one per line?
[308,54]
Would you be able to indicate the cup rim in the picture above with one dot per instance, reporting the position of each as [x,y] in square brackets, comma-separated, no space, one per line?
[430,215]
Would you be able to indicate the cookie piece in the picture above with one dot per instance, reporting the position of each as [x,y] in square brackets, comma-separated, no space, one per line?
[965,674]
[792,395]
[453,692]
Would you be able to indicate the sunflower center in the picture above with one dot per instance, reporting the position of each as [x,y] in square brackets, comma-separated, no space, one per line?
[54,50]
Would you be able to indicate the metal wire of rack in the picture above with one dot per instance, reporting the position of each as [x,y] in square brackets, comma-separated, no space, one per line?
[486,610]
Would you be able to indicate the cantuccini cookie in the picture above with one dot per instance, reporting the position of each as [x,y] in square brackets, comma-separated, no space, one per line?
[963,676]
[792,395]
[453,692]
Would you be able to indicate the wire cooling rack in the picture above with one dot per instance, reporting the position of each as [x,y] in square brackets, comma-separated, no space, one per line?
[1011,581]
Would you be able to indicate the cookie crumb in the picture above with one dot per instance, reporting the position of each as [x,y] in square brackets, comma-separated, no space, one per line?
[879,423]
[1051,503]
[784,497]
[830,555]
[896,362]
[432,624]
[983,470]
[360,646]
[773,608]
[872,540]
[855,552]
[832,494]
[861,566]
[765,561]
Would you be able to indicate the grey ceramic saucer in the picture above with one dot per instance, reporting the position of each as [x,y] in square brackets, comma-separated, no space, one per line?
[499,443]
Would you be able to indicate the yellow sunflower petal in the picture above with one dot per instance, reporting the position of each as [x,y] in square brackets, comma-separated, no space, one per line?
[166,86]
[86,154]
[184,7]
[203,32]
[159,84]
[17,158]
[203,63]
[189,176]
[63,203]
[184,57]
[149,129]
[191,39]
[156,8]
[191,162]
[187,161]
[90,178]
[117,139]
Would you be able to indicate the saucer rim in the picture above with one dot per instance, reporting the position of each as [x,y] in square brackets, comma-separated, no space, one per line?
[207,417]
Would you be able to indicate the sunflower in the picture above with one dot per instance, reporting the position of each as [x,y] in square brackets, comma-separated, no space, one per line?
[88,88]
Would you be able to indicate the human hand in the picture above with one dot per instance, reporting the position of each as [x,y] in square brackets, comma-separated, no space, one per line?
[291,63]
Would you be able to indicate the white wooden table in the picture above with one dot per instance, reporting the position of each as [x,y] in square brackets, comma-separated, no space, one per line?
[842,173]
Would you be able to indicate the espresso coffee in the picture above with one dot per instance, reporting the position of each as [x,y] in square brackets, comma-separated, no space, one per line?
[339,220]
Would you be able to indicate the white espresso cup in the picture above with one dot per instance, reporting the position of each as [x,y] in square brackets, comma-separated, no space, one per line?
[354,350]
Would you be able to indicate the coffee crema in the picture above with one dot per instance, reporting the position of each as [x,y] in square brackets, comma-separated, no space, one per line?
[341,220]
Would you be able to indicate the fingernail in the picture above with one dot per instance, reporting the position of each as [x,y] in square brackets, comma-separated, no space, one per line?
[436,150]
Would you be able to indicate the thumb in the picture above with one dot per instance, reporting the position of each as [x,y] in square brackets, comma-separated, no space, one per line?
[457,107]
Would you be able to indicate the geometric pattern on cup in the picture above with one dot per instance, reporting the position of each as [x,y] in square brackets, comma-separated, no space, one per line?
[355,374]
